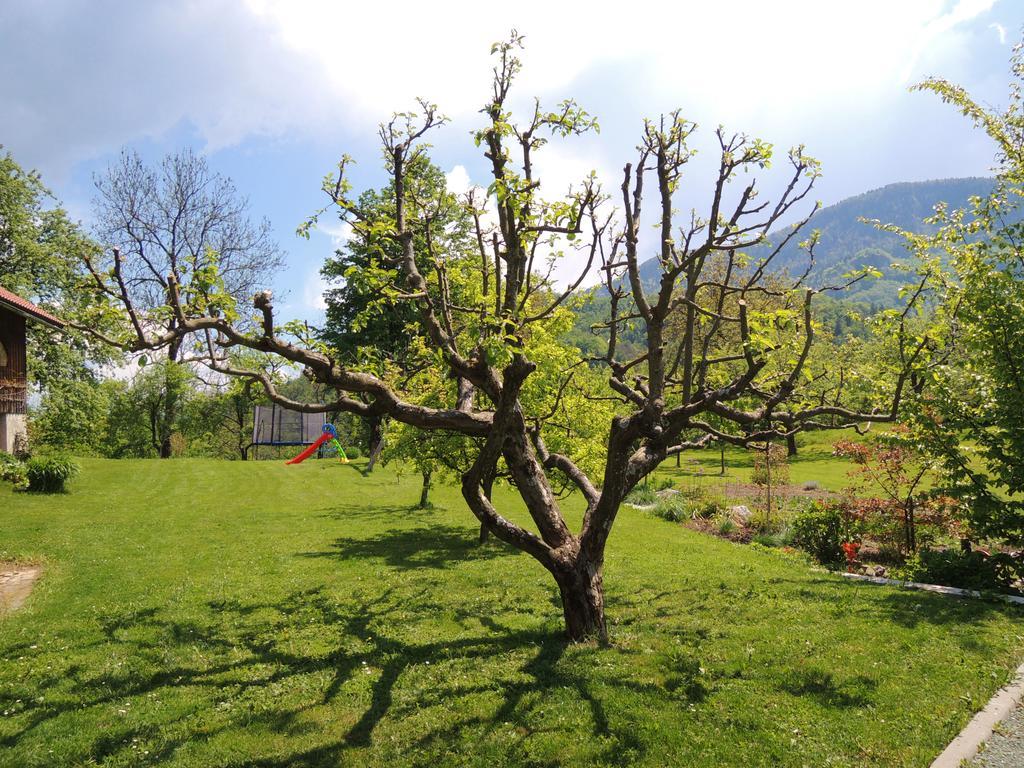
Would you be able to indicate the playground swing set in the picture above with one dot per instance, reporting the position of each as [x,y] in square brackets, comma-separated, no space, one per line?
[277,426]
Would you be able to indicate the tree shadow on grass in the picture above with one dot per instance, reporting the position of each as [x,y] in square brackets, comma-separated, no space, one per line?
[822,687]
[902,606]
[281,666]
[911,607]
[434,546]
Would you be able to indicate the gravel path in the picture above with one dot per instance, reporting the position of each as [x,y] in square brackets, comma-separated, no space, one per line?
[1005,749]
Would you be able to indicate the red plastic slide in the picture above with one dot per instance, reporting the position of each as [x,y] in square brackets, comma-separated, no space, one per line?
[311,450]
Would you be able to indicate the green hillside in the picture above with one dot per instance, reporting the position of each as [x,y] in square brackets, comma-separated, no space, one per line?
[847,243]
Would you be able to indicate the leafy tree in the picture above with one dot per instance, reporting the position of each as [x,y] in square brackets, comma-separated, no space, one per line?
[895,465]
[127,434]
[489,344]
[179,223]
[363,325]
[971,413]
[218,421]
[73,415]
[40,259]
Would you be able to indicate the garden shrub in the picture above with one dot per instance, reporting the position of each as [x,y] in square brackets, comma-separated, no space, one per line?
[820,530]
[675,509]
[764,523]
[679,507]
[642,495]
[49,474]
[771,540]
[13,471]
[885,522]
[353,452]
[179,445]
[707,507]
[1001,572]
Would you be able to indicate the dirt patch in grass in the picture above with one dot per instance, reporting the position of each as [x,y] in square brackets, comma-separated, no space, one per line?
[16,582]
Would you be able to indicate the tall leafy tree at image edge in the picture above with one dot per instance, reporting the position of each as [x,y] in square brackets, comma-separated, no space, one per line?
[41,259]
[969,413]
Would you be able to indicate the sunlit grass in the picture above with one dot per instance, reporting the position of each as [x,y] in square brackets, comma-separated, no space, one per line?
[202,613]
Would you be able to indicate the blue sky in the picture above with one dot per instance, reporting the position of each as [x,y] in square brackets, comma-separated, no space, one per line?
[275,91]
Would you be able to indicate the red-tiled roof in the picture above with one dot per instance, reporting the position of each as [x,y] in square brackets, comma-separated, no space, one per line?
[27,308]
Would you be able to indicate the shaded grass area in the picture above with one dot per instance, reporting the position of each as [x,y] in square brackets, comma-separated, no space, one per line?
[203,613]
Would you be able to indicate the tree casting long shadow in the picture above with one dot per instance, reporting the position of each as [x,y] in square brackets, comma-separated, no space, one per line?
[226,659]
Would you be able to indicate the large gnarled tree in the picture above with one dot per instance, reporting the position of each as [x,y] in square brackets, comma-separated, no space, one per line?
[727,373]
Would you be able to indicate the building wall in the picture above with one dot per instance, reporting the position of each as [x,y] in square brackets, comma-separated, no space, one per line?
[13,392]
[11,425]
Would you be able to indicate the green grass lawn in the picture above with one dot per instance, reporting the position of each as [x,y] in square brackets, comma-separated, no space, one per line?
[814,462]
[204,613]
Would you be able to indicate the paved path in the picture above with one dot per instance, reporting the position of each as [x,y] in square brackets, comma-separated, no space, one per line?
[15,586]
[1005,748]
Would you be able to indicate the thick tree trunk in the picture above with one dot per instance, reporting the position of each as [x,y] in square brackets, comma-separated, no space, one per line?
[582,591]
[170,401]
[791,445]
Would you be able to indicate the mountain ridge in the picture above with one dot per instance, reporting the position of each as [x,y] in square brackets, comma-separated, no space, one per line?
[846,243]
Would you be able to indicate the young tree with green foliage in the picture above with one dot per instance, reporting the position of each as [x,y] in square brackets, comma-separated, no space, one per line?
[73,415]
[486,343]
[970,411]
[362,328]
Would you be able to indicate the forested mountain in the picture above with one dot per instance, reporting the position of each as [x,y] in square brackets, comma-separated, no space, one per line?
[847,243]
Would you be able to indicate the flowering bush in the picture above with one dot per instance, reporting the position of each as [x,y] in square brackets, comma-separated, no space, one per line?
[822,529]
[850,549]
[905,516]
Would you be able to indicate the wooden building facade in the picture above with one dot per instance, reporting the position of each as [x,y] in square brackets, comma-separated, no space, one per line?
[15,314]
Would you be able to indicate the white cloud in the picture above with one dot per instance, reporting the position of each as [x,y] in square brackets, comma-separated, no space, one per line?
[457,180]
[1000,32]
[339,232]
[77,81]
[963,11]
[735,54]
[313,290]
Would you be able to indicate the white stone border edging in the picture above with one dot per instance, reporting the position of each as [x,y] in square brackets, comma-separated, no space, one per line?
[966,744]
[975,733]
[934,588]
